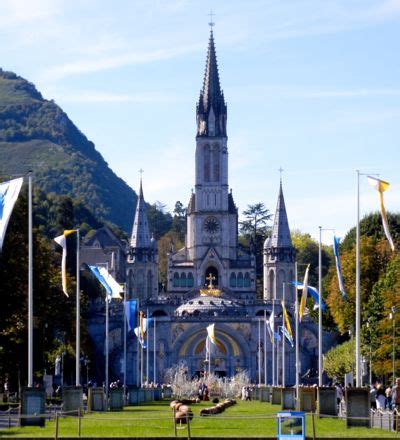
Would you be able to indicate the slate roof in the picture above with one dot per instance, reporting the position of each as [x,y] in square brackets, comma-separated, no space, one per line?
[140,237]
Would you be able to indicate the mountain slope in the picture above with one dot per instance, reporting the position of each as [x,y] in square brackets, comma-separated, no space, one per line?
[36,134]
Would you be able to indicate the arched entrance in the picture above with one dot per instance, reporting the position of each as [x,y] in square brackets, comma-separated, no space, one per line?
[211,275]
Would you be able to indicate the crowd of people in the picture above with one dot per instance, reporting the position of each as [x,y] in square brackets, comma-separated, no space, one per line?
[385,397]
[381,397]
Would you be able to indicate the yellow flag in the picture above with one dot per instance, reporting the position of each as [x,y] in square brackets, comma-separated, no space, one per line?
[304,295]
[141,325]
[62,241]
[287,322]
[381,186]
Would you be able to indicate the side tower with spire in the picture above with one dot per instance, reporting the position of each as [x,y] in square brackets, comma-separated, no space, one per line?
[142,261]
[279,256]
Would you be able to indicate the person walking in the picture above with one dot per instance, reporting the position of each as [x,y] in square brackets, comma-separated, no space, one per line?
[396,403]
[388,393]
[380,396]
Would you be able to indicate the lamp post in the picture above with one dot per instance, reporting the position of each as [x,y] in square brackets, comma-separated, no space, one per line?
[358,270]
[370,351]
[320,304]
[392,316]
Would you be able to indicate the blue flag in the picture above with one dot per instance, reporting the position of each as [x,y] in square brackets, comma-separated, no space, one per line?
[313,292]
[287,336]
[96,272]
[336,242]
[130,313]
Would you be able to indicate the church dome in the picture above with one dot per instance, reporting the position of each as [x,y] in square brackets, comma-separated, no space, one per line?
[210,306]
[267,243]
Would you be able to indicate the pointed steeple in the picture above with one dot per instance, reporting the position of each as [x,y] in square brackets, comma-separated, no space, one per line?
[211,108]
[140,238]
[280,236]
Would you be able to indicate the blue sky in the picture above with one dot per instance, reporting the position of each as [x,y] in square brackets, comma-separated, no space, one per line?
[312,86]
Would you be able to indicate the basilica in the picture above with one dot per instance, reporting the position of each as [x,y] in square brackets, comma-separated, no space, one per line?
[210,280]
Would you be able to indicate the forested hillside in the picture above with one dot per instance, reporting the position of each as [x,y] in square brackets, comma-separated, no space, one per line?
[37,134]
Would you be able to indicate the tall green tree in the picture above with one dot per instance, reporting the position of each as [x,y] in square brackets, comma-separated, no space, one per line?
[255,228]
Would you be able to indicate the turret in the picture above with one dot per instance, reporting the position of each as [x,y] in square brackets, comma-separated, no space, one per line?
[279,255]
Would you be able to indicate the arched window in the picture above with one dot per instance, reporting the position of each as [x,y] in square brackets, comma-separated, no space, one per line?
[232,280]
[140,283]
[207,160]
[240,280]
[247,279]
[149,284]
[190,280]
[183,280]
[131,285]
[279,287]
[291,296]
[271,278]
[176,279]
[216,163]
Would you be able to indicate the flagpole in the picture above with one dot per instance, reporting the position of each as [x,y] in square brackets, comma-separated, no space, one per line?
[154,354]
[30,284]
[273,342]
[78,316]
[147,347]
[320,308]
[107,348]
[265,348]
[296,312]
[283,339]
[138,378]
[259,352]
[125,332]
[358,369]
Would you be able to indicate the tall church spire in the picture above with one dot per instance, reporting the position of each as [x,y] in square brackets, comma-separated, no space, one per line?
[140,238]
[211,108]
[280,236]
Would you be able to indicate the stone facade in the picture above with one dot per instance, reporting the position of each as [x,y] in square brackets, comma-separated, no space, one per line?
[210,258]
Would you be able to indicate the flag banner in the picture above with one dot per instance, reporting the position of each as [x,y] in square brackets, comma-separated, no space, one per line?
[286,334]
[115,287]
[96,272]
[381,186]
[213,338]
[144,325]
[61,240]
[9,192]
[288,327]
[271,329]
[313,293]
[130,313]
[304,294]
[336,242]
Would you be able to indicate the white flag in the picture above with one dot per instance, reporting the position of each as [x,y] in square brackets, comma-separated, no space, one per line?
[115,287]
[9,192]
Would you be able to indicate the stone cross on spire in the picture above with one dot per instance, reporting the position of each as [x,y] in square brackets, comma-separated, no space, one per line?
[280,173]
[211,23]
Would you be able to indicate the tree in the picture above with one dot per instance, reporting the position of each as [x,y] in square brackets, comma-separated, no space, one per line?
[255,229]
[339,360]
[160,222]
[307,253]
[168,240]
[179,220]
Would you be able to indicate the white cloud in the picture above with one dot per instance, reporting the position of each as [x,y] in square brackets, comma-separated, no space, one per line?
[85,66]
[90,97]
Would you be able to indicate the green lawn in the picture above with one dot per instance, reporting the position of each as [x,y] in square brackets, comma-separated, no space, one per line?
[246,419]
